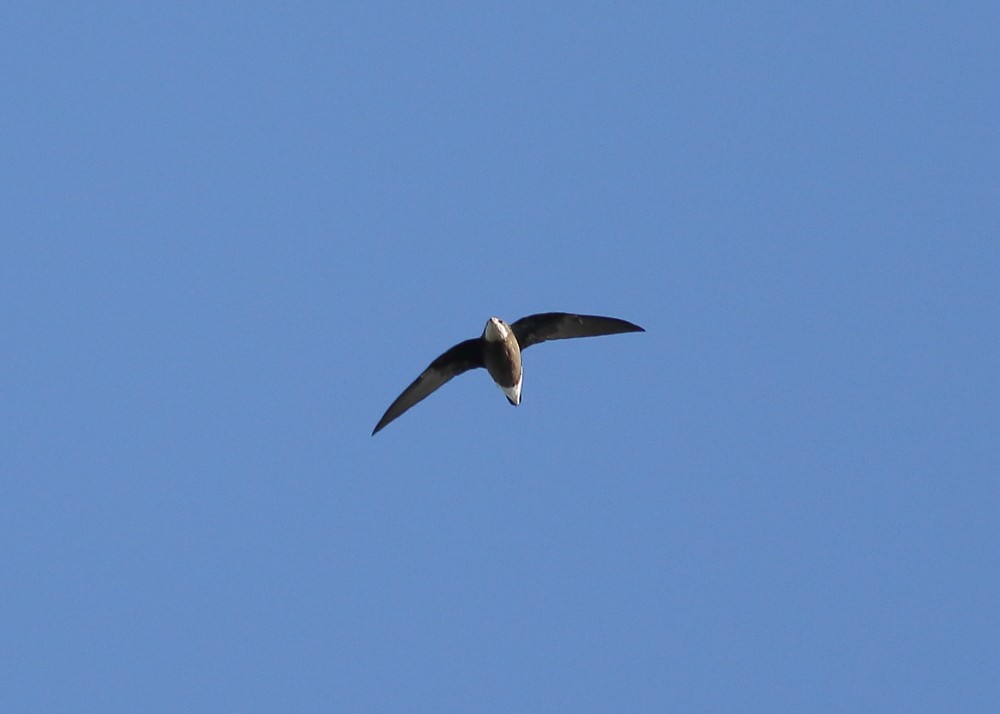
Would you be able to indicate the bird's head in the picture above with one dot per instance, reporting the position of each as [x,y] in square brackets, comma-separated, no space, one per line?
[496,330]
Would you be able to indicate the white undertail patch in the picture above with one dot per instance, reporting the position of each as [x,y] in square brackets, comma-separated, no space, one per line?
[514,393]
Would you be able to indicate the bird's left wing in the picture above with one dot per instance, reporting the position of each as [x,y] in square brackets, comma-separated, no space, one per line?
[533,329]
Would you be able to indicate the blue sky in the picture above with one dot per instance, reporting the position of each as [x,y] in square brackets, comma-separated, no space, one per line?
[232,234]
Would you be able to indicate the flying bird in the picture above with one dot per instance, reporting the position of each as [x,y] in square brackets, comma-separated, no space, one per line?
[499,349]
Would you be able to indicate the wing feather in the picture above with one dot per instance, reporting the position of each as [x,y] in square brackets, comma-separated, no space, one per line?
[533,329]
[460,358]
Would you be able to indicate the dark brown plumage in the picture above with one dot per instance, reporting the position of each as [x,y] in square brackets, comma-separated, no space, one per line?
[499,351]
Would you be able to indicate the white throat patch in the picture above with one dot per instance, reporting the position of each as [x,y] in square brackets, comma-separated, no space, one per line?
[496,331]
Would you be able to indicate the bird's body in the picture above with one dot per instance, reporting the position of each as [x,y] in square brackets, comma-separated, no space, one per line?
[499,351]
[502,356]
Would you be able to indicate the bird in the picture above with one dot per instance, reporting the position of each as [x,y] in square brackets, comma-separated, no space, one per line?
[499,350]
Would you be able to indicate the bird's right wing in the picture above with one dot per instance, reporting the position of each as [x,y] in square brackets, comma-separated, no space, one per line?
[460,358]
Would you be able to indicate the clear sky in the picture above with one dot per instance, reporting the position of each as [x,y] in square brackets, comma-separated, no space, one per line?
[231,235]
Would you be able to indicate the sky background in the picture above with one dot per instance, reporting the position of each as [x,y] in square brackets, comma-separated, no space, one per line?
[231,235]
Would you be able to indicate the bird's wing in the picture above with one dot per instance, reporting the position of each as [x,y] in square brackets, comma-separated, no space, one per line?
[460,358]
[533,329]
